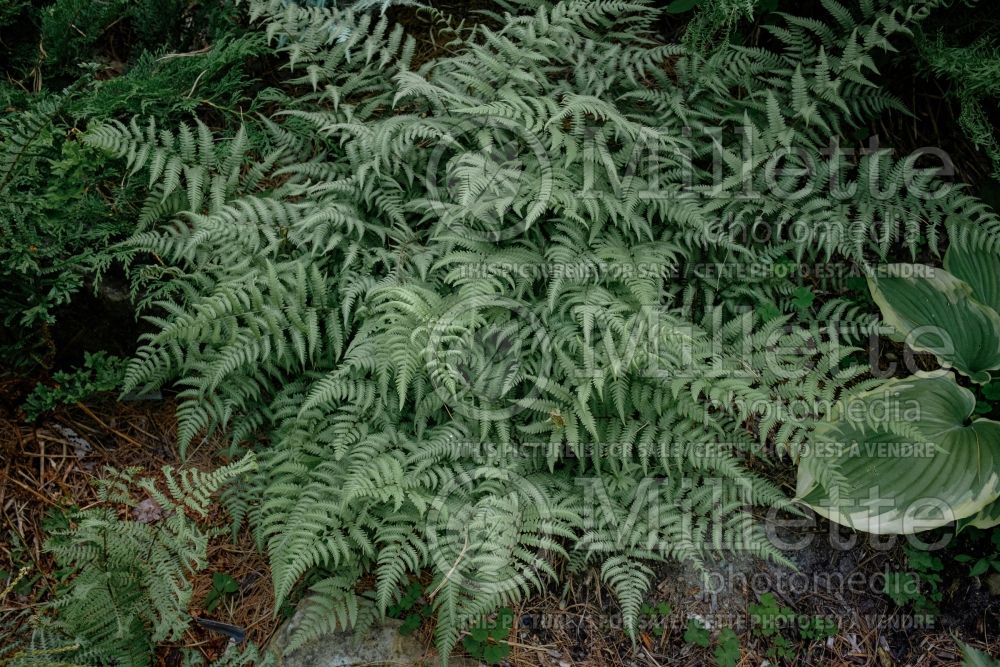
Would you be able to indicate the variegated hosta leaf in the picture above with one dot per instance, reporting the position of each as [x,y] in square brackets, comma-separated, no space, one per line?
[938,313]
[978,268]
[986,518]
[908,456]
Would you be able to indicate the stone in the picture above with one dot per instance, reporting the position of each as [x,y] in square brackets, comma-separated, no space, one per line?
[380,645]
[993,583]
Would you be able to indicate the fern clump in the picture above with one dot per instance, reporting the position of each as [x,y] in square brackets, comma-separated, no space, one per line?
[131,584]
[510,306]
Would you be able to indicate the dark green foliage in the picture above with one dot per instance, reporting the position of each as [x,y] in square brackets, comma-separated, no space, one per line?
[973,657]
[487,639]
[920,584]
[715,20]
[962,45]
[63,204]
[75,31]
[173,85]
[696,633]
[727,650]
[99,373]
[58,215]
[769,619]
[12,10]
[223,585]
[411,608]
[988,558]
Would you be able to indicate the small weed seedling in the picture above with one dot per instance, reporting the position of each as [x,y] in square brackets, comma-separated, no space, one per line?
[696,633]
[921,585]
[656,616]
[988,399]
[486,641]
[408,609]
[222,586]
[727,644]
[769,619]
[981,565]
[100,372]
[727,650]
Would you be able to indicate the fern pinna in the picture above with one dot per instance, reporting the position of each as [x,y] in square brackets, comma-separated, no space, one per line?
[477,307]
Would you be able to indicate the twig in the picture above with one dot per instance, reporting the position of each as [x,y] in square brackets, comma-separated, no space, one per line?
[112,430]
[189,54]
[47,501]
[454,565]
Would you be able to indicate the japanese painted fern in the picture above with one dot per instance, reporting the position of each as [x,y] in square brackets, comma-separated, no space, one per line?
[470,314]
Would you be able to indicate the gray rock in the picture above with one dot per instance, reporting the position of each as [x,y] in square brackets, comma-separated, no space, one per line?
[993,583]
[380,645]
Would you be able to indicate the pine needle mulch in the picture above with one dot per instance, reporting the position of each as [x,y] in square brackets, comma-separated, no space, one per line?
[49,467]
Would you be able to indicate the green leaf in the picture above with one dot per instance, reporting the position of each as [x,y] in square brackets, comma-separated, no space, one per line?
[696,633]
[224,583]
[410,624]
[818,628]
[494,653]
[768,312]
[979,269]
[986,518]
[803,298]
[936,312]
[976,658]
[479,633]
[727,653]
[923,561]
[902,587]
[979,568]
[920,467]
[472,647]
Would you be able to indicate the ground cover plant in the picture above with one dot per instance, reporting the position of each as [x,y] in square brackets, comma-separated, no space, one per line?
[546,293]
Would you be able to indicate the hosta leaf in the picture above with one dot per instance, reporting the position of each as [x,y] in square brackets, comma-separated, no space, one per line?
[937,313]
[986,518]
[920,467]
[979,269]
